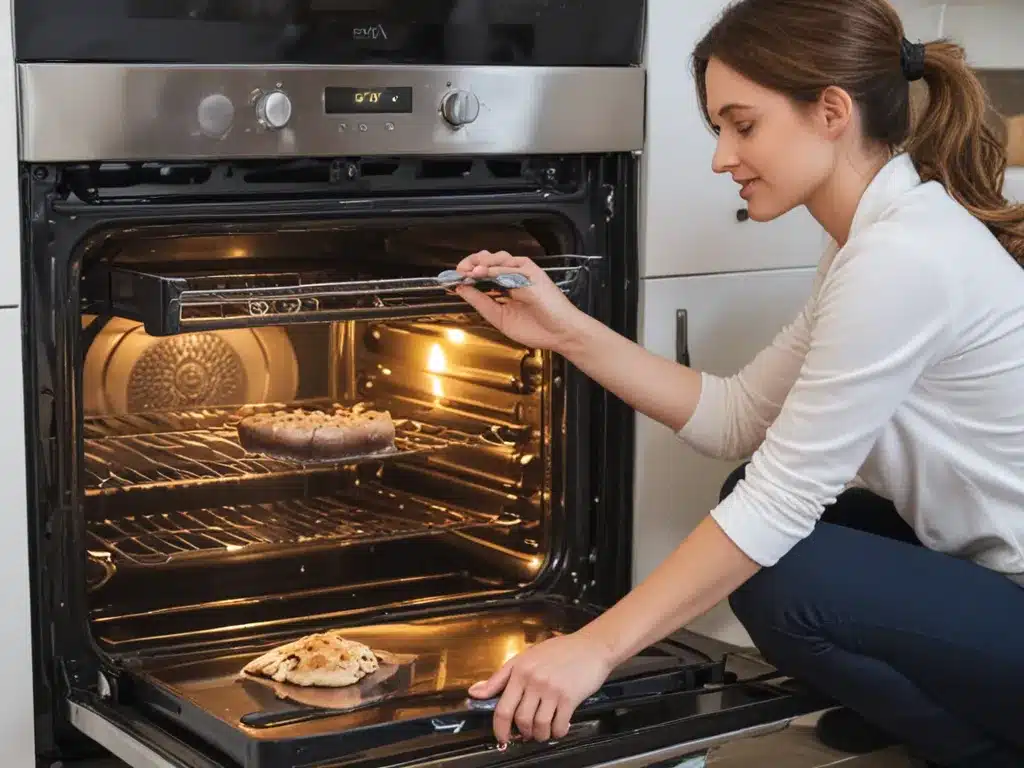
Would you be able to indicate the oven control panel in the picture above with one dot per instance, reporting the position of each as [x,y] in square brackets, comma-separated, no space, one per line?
[150,112]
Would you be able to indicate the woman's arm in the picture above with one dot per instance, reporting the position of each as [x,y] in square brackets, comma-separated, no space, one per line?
[704,570]
[725,418]
[886,311]
[659,388]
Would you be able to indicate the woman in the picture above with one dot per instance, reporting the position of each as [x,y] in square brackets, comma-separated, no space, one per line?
[903,374]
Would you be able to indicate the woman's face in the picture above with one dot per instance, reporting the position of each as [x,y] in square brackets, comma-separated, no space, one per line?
[778,152]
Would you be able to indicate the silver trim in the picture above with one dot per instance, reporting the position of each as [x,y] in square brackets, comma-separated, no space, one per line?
[136,754]
[680,751]
[115,740]
[114,112]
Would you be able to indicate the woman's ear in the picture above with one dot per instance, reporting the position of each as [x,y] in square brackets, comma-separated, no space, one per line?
[835,111]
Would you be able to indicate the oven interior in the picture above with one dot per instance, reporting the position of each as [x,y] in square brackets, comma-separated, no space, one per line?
[455,552]
[190,541]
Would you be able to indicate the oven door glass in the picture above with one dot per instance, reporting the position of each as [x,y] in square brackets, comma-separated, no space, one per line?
[523,32]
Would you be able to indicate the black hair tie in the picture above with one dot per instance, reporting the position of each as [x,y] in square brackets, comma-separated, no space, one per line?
[912,60]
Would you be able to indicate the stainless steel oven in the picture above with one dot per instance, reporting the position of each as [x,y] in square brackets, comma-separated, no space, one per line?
[242,206]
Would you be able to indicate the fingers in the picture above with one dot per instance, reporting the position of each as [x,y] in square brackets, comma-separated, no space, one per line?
[480,264]
[542,720]
[493,685]
[488,308]
[505,712]
[526,712]
[560,725]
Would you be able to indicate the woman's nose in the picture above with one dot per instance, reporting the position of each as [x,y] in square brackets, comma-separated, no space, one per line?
[724,158]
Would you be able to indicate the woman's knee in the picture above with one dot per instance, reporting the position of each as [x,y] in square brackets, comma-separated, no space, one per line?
[785,597]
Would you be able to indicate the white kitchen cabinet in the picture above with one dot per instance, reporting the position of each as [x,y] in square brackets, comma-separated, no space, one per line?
[922,19]
[730,318]
[990,30]
[689,223]
[16,712]
[10,214]
[689,220]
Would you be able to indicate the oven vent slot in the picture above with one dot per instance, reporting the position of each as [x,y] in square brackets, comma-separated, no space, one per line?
[168,305]
[102,183]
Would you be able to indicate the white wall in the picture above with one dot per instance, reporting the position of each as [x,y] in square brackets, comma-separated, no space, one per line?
[17,745]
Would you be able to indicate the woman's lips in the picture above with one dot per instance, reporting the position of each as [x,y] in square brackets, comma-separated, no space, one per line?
[746,189]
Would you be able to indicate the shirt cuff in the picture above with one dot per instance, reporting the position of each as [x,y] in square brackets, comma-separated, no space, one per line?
[757,538]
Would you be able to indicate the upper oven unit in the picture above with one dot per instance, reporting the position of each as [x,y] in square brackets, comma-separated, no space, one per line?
[451,32]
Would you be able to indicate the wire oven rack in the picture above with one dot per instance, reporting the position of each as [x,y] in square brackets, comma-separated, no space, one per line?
[358,514]
[115,463]
[170,304]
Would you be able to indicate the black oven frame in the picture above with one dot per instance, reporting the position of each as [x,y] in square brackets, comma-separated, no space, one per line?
[597,195]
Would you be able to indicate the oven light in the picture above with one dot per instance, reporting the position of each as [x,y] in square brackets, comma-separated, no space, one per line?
[456,335]
[514,645]
[238,253]
[386,371]
[436,360]
[435,386]
[535,563]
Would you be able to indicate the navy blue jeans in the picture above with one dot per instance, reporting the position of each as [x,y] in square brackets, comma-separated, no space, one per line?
[927,647]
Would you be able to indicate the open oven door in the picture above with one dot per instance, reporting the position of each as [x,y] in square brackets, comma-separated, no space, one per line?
[677,699]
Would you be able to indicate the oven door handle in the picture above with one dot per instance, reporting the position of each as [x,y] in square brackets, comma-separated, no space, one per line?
[616,692]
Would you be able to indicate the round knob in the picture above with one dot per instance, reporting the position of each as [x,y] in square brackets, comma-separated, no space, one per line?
[274,109]
[460,108]
[216,113]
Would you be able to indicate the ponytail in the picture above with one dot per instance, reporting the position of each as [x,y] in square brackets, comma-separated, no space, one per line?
[953,144]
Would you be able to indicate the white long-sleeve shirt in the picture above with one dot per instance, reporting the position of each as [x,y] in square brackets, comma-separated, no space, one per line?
[903,373]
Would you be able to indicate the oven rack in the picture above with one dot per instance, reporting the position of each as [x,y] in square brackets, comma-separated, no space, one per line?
[171,304]
[114,464]
[359,514]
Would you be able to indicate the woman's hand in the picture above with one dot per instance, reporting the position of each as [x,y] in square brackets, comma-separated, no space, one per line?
[544,685]
[540,317]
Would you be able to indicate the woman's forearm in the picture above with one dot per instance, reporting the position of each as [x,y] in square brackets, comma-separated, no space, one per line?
[656,387]
[705,569]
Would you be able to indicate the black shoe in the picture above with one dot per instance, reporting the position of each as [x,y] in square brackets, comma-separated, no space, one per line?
[845,731]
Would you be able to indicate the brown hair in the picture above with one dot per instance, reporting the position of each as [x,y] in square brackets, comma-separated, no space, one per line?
[801,47]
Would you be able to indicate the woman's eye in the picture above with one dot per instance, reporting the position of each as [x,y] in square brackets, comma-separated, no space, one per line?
[744,128]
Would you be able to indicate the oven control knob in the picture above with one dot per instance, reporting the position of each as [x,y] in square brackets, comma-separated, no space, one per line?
[216,113]
[274,109]
[460,108]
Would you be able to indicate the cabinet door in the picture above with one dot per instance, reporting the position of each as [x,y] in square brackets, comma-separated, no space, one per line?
[16,716]
[689,214]
[730,318]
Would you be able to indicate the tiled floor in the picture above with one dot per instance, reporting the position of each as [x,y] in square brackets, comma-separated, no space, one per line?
[796,747]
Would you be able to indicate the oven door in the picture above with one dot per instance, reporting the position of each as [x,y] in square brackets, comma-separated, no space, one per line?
[639,718]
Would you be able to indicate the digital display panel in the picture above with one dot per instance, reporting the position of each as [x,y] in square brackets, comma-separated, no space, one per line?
[363,101]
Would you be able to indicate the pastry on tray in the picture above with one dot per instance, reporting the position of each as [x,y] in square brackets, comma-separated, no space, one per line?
[324,660]
[303,435]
